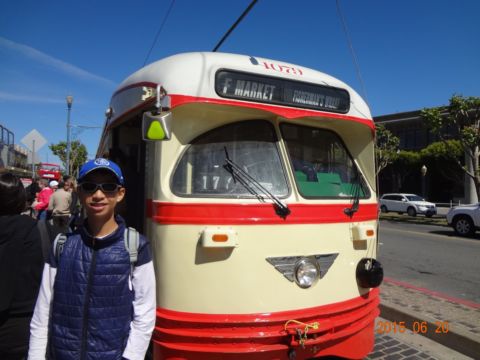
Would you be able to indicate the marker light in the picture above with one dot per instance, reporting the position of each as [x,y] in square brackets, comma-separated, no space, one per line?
[220,237]
[306,272]
[155,131]
[156,127]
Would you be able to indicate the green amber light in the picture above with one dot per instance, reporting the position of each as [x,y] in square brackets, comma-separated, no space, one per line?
[155,131]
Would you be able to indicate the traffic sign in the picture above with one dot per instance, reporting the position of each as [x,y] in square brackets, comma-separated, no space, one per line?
[34,140]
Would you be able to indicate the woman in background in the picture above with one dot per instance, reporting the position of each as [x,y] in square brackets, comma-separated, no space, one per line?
[21,265]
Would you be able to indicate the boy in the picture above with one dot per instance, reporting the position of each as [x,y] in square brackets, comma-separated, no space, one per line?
[97,306]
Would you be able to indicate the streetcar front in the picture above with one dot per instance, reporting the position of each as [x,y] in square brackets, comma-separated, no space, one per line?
[261,207]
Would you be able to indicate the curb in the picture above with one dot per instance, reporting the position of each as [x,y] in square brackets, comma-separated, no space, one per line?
[455,338]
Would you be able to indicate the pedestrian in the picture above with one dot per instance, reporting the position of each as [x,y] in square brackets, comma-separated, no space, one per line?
[76,218]
[59,206]
[53,185]
[21,264]
[43,197]
[32,191]
[93,302]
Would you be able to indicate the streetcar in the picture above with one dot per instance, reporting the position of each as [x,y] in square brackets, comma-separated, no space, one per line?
[49,171]
[254,180]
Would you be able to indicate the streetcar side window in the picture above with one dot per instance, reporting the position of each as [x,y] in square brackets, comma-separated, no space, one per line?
[252,145]
[321,164]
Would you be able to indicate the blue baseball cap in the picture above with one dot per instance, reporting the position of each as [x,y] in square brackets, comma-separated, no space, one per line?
[101,163]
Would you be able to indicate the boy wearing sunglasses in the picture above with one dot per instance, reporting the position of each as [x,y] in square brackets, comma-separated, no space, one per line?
[92,303]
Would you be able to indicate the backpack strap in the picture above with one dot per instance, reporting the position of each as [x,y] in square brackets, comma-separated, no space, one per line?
[58,244]
[132,241]
[45,238]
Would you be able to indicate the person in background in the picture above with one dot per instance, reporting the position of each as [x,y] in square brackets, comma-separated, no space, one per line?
[53,185]
[109,313]
[21,264]
[43,197]
[32,191]
[76,218]
[59,206]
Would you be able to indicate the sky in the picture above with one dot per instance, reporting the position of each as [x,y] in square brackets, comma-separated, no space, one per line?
[411,54]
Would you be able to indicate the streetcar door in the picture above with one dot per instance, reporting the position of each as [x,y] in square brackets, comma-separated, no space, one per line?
[128,151]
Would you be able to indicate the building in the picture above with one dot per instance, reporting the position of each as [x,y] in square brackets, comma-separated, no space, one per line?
[13,158]
[441,183]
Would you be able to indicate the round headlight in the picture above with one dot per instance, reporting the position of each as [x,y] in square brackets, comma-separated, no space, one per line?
[306,272]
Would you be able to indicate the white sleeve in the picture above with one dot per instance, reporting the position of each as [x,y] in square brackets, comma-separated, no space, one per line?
[41,315]
[144,307]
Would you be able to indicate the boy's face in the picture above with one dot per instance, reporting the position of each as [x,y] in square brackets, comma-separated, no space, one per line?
[100,204]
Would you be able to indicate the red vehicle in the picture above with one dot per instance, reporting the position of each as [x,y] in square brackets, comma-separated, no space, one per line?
[49,171]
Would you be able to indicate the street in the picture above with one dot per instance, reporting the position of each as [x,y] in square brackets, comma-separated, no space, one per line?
[431,257]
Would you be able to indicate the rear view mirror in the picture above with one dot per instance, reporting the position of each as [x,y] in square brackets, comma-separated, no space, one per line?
[156,127]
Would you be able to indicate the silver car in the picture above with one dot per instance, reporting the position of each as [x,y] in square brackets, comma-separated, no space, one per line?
[407,203]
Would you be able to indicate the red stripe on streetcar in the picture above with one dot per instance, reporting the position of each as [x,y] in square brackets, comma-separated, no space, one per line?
[286,112]
[344,329]
[254,214]
[140,84]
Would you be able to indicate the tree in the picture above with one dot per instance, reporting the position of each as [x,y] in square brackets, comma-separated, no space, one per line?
[462,119]
[78,154]
[444,157]
[386,150]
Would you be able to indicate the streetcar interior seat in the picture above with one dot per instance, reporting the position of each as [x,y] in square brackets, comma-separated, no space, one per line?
[328,185]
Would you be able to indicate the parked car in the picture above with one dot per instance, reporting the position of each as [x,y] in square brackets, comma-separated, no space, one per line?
[410,203]
[464,219]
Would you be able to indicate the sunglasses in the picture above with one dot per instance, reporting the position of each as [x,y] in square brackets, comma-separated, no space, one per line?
[90,187]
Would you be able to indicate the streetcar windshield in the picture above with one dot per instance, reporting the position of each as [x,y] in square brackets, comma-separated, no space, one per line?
[252,145]
[322,166]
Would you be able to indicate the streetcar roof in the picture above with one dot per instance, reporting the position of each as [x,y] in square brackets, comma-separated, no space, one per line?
[193,74]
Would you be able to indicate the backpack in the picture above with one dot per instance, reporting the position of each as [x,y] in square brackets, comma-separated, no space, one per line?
[47,235]
[131,239]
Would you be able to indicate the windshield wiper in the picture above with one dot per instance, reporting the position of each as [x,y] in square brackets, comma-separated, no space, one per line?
[356,195]
[250,184]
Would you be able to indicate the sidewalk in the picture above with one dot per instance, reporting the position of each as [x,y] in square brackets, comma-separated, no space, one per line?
[410,346]
[454,323]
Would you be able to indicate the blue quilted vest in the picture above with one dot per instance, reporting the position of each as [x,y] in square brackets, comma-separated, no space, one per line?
[92,299]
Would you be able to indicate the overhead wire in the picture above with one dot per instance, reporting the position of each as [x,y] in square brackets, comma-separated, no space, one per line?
[247,10]
[159,31]
[352,51]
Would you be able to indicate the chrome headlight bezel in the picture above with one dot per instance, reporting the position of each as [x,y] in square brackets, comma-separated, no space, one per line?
[306,272]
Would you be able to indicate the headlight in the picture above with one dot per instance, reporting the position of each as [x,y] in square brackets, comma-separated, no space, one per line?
[307,272]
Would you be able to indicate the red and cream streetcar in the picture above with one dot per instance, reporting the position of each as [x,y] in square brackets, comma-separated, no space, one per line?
[254,180]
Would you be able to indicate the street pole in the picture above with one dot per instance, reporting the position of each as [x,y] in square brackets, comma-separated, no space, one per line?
[69,107]
[423,171]
[33,159]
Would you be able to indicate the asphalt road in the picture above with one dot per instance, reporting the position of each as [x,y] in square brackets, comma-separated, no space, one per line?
[431,257]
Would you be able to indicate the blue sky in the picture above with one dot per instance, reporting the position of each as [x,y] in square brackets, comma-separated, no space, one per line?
[412,54]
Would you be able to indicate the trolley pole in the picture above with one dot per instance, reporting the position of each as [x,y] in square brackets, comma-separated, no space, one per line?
[69,107]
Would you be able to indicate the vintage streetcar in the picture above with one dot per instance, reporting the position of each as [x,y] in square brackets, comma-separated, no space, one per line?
[254,180]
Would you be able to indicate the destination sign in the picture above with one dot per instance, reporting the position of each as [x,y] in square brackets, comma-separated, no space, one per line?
[259,88]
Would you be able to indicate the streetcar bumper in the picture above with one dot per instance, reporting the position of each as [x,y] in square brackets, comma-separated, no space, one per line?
[344,329]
